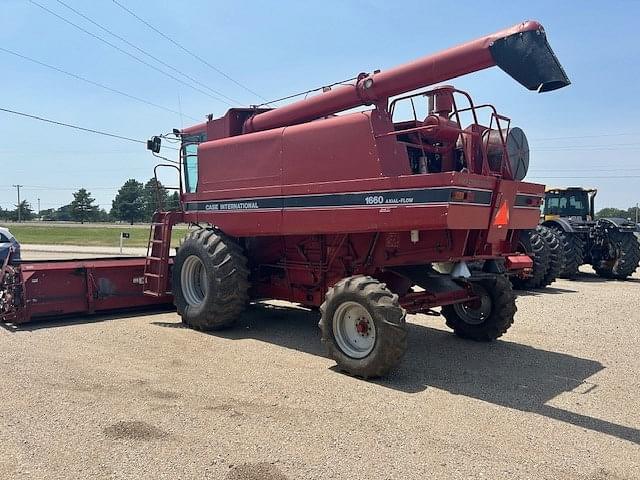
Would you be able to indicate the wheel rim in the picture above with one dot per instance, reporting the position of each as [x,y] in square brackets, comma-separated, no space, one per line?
[354,330]
[477,311]
[193,281]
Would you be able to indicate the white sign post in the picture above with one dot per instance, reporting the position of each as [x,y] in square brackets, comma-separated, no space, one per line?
[123,235]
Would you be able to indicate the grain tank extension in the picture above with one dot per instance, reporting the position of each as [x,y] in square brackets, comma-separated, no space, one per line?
[412,204]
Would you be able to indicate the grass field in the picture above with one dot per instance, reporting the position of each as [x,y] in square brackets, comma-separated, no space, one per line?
[103,236]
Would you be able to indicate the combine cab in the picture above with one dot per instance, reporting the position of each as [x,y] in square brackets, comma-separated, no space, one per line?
[608,244]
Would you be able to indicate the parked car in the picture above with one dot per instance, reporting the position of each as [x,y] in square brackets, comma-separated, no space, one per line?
[8,241]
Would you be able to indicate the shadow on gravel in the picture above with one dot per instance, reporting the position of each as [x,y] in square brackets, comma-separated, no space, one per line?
[502,372]
[588,277]
[544,291]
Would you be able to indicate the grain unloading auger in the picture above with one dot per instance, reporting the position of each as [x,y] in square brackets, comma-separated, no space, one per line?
[366,215]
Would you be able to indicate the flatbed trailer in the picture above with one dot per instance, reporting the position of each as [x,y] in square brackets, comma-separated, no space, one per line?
[40,289]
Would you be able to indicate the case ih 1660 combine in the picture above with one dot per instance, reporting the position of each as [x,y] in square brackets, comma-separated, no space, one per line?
[366,215]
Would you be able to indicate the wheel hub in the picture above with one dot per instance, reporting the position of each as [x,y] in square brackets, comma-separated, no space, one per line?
[476,311]
[362,326]
[354,329]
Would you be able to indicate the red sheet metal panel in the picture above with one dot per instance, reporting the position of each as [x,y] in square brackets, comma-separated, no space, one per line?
[67,287]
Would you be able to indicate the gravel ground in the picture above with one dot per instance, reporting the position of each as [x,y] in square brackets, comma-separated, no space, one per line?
[141,397]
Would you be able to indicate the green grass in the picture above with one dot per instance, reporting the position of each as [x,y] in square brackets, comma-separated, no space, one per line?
[103,236]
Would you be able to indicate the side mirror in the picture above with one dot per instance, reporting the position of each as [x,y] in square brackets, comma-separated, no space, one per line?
[154,144]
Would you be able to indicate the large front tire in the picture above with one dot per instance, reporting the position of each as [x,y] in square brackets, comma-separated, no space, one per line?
[363,326]
[556,254]
[626,260]
[573,252]
[532,243]
[209,280]
[487,318]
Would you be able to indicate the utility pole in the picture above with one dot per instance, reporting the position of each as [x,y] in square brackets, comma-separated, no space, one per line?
[637,204]
[38,208]
[19,206]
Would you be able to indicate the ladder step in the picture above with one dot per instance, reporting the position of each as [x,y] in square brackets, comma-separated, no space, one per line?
[153,275]
[155,259]
[157,241]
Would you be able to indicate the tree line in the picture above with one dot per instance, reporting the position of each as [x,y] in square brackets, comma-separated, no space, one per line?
[630,213]
[134,202]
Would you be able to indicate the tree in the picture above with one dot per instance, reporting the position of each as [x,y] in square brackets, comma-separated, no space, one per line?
[82,207]
[4,214]
[102,216]
[173,203]
[23,211]
[49,214]
[129,202]
[64,214]
[612,212]
[152,191]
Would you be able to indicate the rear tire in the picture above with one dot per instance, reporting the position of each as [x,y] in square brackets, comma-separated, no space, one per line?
[573,250]
[628,257]
[363,326]
[533,245]
[487,318]
[210,280]
[556,254]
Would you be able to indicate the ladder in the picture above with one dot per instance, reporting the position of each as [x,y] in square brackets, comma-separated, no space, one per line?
[156,267]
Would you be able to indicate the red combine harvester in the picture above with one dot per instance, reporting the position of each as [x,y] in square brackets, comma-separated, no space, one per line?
[366,215]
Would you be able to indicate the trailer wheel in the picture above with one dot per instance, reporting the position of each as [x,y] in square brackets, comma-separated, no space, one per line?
[210,280]
[573,251]
[488,317]
[626,259]
[533,244]
[363,326]
[556,254]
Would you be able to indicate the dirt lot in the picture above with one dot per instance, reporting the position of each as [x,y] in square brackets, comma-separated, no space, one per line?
[141,397]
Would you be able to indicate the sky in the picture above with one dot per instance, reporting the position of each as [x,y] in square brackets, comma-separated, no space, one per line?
[585,134]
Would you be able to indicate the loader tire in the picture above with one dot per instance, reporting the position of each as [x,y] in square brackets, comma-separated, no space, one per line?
[627,257]
[533,245]
[363,326]
[556,254]
[210,280]
[573,250]
[487,318]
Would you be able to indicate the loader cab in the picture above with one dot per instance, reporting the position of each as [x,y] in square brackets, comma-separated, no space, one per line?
[573,203]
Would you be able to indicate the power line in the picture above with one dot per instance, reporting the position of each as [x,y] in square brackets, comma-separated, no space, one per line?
[186,50]
[587,136]
[76,127]
[144,52]
[91,82]
[137,59]
[610,146]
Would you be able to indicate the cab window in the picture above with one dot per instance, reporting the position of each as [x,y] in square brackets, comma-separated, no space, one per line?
[189,153]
